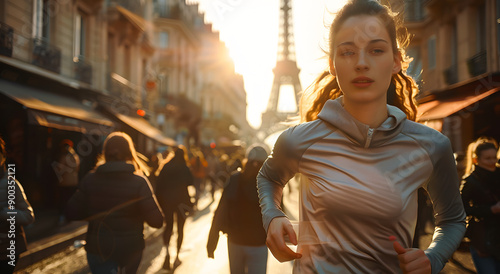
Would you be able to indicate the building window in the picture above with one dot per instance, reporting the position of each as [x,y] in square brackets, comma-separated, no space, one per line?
[80,34]
[2,8]
[127,62]
[431,52]
[163,40]
[111,53]
[414,10]
[46,16]
[42,14]
[453,44]
[481,28]
[164,79]
[161,7]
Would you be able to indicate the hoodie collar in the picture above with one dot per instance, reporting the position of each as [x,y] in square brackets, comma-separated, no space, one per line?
[361,134]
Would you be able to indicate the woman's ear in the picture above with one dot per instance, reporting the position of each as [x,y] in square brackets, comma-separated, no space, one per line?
[332,68]
[397,63]
[474,160]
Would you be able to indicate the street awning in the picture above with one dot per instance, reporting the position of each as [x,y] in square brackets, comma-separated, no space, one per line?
[56,111]
[145,128]
[441,108]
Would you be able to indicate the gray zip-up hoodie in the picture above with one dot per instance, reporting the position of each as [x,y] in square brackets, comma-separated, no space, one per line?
[359,186]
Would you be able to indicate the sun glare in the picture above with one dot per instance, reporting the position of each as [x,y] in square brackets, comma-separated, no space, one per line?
[250,31]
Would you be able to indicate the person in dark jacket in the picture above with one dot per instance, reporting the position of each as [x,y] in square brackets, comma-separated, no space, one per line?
[173,197]
[480,195]
[13,215]
[238,214]
[116,198]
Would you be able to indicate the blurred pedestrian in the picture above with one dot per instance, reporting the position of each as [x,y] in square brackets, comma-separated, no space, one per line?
[212,169]
[116,198]
[173,197]
[238,215]
[199,169]
[66,168]
[15,212]
[481,199]
[362,159]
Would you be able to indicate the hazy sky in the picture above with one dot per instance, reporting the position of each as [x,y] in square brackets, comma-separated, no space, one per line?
[250,30]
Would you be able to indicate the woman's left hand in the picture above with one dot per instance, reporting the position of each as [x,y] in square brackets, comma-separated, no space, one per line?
[412,260]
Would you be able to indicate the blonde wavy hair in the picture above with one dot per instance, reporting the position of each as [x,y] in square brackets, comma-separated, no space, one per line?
[118,146]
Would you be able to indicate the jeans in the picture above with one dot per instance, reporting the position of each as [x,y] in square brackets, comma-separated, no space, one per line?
[99,266]
[485,265]
[247,259]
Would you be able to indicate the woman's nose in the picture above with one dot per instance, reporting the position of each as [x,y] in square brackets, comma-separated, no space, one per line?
[361,63]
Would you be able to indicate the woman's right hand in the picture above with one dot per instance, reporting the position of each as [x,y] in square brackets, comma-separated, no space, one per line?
[278,228]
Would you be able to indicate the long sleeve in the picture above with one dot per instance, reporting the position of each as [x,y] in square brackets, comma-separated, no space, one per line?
[149,206]
[220,217]
[475,206]
[24,212]
[277,170]
[449,211]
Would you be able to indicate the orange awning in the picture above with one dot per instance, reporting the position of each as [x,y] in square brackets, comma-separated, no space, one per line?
[48,109]
[144,127]
[441,108]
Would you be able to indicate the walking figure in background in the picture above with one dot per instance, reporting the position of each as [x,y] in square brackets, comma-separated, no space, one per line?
[199,169]
[481,198]
[18,214]
[362,159]
[238,215]
[66,169]
[173,197]
[116,198]
[212,169]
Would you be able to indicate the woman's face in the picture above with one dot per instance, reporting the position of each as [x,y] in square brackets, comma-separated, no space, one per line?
[363,59]
[487,159]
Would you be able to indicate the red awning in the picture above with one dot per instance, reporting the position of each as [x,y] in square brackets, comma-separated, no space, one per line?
[441,108]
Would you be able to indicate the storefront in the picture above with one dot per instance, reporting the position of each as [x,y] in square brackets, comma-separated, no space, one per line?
[464,112]
[34,124]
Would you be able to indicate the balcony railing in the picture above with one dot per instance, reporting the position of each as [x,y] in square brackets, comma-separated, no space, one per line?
[83,70]
[6,39]
[477,64]
[46,55]
[121,88]
[451,75]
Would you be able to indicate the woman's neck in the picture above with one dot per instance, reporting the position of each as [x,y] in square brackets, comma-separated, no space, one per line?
[372,114]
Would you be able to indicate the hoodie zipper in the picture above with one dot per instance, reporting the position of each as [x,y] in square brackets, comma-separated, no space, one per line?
[369,137]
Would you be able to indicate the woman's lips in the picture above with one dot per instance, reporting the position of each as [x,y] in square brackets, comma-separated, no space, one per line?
[362,82]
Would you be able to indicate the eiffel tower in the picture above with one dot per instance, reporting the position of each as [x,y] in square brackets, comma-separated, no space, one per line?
[286,73]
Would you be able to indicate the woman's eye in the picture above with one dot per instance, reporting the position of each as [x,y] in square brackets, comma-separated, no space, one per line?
[377,51]
[347,53]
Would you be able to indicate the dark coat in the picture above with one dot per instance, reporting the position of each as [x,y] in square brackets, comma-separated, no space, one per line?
[480,191]
[23,216]
[116,202]
[172,184]
[238,214]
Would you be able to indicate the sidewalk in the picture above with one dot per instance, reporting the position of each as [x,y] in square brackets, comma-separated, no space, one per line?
[65,237]
[47,246]
[68,234]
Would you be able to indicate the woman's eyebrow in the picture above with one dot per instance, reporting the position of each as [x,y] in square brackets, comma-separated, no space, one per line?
[350,43]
